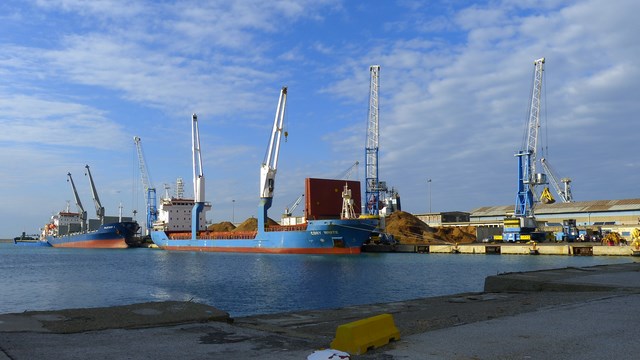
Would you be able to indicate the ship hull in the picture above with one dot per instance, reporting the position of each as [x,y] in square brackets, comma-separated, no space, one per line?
[335,236]
[108,236]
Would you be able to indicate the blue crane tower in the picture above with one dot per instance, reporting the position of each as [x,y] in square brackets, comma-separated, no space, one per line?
[372,192]
[150,190]
[522,225]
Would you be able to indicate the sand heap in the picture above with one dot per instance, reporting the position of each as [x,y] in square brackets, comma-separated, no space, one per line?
[221,227]
[408,229]
[251,224]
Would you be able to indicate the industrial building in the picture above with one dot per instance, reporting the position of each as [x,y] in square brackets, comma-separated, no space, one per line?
[603,215]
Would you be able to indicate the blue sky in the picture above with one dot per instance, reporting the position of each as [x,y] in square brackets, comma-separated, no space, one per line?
[80,79]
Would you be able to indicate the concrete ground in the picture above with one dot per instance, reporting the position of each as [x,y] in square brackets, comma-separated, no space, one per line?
[573,313]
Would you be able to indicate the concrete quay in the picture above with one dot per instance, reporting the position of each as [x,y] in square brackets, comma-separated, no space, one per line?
[570,313]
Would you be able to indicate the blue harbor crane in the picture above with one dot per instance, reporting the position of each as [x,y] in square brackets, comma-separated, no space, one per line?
[372,192]
[149,189]
[522,226]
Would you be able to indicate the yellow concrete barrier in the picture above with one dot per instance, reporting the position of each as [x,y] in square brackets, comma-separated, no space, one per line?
[359,336]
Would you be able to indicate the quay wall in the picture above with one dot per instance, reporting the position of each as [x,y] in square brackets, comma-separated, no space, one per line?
[571,249]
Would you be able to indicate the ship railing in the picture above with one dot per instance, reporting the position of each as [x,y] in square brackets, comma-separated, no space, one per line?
[227,235]
[301,227]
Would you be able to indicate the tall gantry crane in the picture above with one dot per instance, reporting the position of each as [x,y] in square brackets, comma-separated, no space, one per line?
[198,178]
[270,164]
[96,199]
[523,224]
[372,192]
[149,189]
[81,210]
[563,191]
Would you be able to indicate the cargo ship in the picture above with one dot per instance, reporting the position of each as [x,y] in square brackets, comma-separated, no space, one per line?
[330,225]
[117,235]
[71,229]
[327,233]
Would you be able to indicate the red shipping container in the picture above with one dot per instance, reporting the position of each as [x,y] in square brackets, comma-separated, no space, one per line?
[323,197]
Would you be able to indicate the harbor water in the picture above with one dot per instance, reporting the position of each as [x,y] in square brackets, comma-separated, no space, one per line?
[33,278]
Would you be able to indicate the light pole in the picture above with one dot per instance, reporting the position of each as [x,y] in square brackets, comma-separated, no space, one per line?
[429,183]
[233,211]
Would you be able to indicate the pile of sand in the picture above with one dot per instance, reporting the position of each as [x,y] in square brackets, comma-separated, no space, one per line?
[408,229]
[251,224]
[221,227]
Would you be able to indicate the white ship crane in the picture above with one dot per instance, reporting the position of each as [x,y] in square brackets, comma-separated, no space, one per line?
[372,192]
[81,210]
[149,189]
[563,191]
[270,164]
[96,199]
[198,177]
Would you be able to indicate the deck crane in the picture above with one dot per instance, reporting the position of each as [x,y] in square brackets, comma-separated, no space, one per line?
[149,189]
[96,199]
[270,164]
[198,178]
[347,174]
[563,191]
[288,211]
[81,210]
[523,223]
[372,192]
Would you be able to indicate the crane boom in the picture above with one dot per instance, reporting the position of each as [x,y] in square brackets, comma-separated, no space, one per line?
[96,199]
[198,172]
[83,213]
[347,174]
[527,176]
[198,178]
[270,163]
[563,192]
[371,149]
[533,125]
[150,190]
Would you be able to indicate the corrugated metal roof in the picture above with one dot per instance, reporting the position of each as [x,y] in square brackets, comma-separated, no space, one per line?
[559,207]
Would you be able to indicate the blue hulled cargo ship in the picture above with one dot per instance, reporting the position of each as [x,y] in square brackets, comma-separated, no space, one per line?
[330,225]
[71,229]
[116,235]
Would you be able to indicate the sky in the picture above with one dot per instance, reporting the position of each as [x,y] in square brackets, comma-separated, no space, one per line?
[80,79]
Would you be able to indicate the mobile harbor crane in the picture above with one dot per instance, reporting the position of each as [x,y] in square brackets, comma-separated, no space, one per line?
[522,225]
[372,192]
[149,189]
[378,199]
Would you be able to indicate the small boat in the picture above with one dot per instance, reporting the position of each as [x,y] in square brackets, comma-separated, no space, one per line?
[30,240]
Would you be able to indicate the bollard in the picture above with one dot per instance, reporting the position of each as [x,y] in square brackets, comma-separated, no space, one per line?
[359,336]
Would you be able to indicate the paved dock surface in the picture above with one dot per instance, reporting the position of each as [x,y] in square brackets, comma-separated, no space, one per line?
[572,313]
